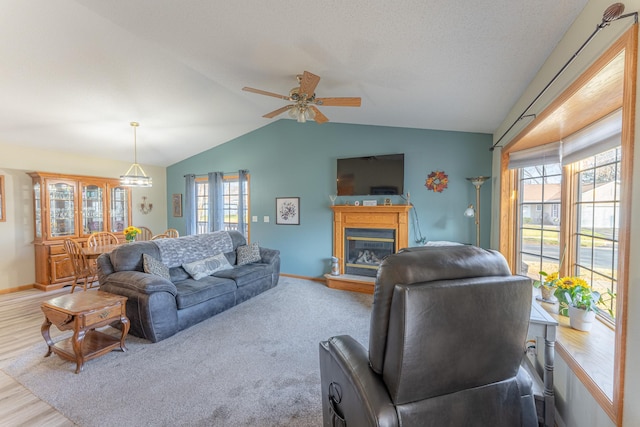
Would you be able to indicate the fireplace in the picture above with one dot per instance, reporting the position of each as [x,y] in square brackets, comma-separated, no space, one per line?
[376,231]
[365,248]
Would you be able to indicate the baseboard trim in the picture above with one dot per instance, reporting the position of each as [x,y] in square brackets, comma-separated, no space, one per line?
[295,276]
[18,289]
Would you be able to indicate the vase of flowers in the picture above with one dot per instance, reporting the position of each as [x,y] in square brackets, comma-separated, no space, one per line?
[581,319]
[547,284]
[130,233]
[578,301]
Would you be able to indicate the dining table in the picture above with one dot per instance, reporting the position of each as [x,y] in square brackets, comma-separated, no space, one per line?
[92,252]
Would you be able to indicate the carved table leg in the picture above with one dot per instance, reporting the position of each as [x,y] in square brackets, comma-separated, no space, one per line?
[78,338]
[44,329]
[549,394]
[125,329]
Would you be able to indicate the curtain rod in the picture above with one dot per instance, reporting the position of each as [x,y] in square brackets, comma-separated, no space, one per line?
[206,174]
[608,16]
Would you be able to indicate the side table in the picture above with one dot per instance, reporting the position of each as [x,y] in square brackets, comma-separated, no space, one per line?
[84,312]
[541,324]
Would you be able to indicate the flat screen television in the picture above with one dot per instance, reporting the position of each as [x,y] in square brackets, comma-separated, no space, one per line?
[371,175]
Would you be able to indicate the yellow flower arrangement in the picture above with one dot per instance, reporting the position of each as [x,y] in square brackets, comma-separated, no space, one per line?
[130,233]
[576,292]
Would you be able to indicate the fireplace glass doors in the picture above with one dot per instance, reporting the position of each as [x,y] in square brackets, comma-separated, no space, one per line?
[365,248]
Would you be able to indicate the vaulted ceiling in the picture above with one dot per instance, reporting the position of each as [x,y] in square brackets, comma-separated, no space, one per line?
[74,73]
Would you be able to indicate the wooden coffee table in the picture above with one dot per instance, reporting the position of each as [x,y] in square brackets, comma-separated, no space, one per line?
[84,312]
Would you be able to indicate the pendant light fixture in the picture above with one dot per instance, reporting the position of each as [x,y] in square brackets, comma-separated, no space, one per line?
[135,176]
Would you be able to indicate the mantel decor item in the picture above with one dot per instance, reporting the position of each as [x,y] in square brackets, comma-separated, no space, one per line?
[288,210]
[176,204]
[437,181]
[335,266]
[135,176]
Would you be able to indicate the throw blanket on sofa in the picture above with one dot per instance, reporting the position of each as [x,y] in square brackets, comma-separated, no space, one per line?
[175,252]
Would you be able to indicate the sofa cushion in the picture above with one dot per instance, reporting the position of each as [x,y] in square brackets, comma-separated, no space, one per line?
[128,257]
[192,292]
[248,254]
[246,274]
[153,266]
[178,274]
[206,267]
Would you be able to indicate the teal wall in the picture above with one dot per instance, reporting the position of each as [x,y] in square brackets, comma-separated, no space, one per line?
[290,159]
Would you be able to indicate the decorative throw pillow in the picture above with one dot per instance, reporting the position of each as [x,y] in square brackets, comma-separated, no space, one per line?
[206,267]
[248,254]
[153,266]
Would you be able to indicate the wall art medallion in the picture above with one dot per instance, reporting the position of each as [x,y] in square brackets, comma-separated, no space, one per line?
[437,181]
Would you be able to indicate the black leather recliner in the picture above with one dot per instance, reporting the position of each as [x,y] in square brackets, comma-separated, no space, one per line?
[448,331]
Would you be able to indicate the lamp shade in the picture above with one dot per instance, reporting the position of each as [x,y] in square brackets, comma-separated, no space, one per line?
[470,212]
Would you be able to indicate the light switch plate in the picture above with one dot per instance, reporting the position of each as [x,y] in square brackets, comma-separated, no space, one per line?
[266,218]
[254,218]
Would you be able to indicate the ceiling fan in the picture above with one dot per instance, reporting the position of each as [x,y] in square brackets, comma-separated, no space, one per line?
[305,101]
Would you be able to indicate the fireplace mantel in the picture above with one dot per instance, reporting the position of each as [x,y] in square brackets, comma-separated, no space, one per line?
[394,217]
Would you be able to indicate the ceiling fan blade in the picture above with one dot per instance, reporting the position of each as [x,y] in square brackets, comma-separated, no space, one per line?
[264,92]
[308,84]
[274,113]
[339,102]
[319,117]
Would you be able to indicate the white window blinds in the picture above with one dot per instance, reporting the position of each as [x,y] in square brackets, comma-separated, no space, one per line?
[596,138]
[541,155]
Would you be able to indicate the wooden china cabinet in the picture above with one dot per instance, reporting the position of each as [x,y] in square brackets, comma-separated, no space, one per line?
[72,206]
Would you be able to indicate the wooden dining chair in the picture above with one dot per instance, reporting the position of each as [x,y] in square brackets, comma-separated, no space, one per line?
[144,234]
[84,272]
[102,238]
[172,232]
[160,236]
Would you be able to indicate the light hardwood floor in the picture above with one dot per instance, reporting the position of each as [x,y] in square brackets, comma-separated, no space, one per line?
[20,320]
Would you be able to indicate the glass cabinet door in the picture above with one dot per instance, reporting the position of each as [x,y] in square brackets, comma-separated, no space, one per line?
[61,209]
[37,207]
[119,209]
[93,198]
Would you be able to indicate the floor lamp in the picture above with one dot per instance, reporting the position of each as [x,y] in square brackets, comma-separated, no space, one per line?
[470,211]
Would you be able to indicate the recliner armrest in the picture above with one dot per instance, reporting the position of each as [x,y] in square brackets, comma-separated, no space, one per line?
[361,396]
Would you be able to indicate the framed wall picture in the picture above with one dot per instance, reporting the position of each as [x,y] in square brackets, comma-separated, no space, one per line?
[288,210]
[177,204]
[3,211]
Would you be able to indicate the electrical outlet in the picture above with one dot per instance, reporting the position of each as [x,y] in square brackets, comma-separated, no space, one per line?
[254,218]
[266,218]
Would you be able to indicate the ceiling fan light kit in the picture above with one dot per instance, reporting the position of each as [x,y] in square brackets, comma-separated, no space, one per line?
[304,100]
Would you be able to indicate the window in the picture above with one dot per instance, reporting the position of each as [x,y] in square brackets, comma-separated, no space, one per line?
[230,209]
[593,216]
[596,235]
[539,228]
[593,239]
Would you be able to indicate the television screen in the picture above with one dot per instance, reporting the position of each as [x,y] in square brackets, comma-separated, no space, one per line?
[371,175]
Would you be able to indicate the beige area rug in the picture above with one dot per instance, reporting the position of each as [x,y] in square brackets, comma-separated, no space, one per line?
[253,365]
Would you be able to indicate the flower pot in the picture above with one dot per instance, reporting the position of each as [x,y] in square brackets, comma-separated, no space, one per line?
[580,319]
[547,292]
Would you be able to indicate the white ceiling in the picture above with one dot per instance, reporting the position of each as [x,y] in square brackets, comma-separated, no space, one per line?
[74,73]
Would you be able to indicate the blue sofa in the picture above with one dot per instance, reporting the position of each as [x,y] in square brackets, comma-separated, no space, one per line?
[160,304]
